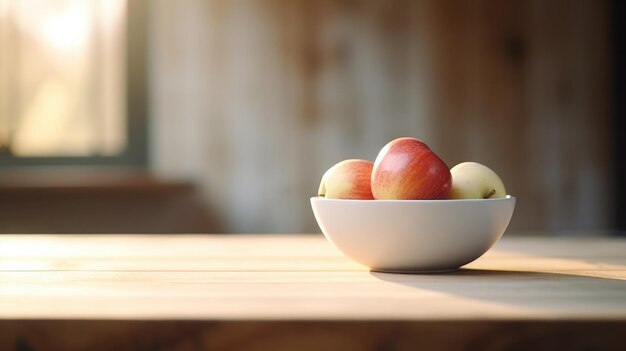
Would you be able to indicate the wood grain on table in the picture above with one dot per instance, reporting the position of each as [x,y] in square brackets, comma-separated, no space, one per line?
[277,290]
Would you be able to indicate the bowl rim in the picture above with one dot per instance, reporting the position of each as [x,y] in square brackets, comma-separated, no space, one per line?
[506,198]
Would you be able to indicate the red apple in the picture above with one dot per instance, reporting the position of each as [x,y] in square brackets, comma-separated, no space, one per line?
[406,169]
[349,179]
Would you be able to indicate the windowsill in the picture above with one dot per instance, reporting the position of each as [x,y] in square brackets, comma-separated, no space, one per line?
[100,200]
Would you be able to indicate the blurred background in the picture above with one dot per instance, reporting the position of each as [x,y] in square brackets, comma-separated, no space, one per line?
[221,115]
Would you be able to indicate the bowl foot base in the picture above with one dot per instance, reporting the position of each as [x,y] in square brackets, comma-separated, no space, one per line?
[416,271]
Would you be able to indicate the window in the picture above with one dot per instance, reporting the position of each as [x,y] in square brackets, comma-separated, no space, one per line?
[71,82]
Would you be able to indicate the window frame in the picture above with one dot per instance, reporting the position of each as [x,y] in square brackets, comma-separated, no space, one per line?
[135,153]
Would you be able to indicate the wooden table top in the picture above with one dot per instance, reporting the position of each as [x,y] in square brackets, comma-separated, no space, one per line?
[279,278]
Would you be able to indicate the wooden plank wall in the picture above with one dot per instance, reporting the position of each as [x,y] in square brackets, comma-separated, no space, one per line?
[254,99]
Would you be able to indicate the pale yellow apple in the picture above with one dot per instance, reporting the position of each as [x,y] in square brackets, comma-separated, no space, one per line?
[472,180]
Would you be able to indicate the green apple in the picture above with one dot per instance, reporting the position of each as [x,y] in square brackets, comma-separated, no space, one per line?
[472,180]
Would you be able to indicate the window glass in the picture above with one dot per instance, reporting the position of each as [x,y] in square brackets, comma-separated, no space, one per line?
[62,77]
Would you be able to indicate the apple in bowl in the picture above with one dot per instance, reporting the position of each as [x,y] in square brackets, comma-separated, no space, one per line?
[407,169]
[348,179]
[472,180]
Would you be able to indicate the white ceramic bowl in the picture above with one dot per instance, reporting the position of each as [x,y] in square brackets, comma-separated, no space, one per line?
[413,235]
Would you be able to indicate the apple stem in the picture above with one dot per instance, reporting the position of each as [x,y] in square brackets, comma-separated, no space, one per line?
[493,191]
